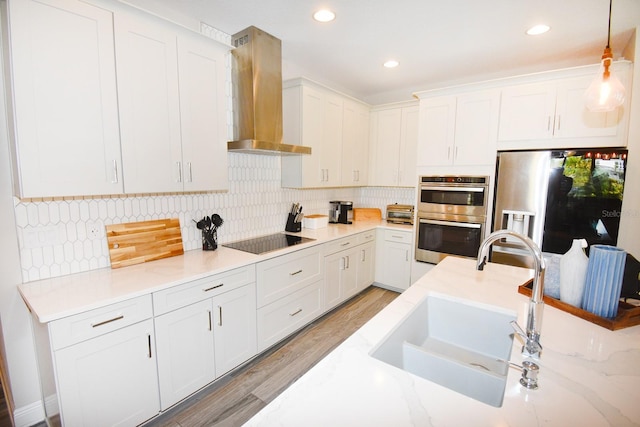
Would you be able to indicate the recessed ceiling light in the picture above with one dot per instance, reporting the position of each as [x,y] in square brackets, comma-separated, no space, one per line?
[538,29]
[324,15]
[392,63]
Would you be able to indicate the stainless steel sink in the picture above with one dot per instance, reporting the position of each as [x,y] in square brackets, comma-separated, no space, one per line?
[458,344]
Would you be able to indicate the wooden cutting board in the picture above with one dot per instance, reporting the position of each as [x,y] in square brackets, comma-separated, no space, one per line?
[137,242]
[366,214]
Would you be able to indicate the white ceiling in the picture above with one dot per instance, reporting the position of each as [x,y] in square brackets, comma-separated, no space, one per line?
[437,43]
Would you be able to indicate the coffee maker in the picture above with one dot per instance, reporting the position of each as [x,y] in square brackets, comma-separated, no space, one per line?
[340,212]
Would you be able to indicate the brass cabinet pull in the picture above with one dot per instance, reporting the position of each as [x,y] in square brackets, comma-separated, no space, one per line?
[220,315]
[213,287]
[104,322]
[149,345]
[295,272]
[295,312]
[209,315]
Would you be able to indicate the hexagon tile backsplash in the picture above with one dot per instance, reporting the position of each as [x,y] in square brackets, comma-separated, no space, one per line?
[64,236]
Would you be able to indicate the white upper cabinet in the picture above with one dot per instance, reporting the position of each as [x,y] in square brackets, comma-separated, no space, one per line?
[355,144]
[459,130]
[113,101]
[65,109]
[552,113]
[146,55]
[393,145]
[334,126]
[312,116]
[202,71]
[171,92]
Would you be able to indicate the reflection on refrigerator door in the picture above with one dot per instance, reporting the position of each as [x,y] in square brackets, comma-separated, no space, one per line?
[557,196]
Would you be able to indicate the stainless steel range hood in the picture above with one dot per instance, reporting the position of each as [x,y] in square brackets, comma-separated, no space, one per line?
[257,84]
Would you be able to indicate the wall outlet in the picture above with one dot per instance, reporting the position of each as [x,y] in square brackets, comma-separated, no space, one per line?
[95,230]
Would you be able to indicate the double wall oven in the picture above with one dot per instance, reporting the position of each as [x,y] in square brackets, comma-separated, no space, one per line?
[451,218]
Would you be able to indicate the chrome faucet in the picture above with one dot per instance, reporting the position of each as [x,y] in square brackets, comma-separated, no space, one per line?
[532,345]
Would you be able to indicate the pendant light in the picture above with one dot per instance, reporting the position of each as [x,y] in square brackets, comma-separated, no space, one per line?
[606,92]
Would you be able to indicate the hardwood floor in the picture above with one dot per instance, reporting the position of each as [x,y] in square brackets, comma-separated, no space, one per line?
[236,398]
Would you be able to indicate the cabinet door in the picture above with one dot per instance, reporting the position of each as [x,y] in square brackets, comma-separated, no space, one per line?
[527,112]
[437,131]
[366,265]
[331,150]
[396,265]
[185,351]
[234,328]
[573,120]
[146,59]
[333,267]
[476,128]
[201,66]
[110,380]
[65,99]
[384,170]
[407,175]
[312,123]
[355,145]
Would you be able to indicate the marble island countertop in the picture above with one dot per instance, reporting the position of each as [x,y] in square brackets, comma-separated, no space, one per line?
[589,375]
[55,298]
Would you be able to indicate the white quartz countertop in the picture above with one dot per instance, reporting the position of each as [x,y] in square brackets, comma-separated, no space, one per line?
[589,375]
[59,297]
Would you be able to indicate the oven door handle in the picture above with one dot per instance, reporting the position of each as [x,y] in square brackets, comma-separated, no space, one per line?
[471,189]
[449,223]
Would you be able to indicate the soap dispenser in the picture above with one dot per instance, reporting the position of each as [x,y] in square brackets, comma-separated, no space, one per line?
[573,271]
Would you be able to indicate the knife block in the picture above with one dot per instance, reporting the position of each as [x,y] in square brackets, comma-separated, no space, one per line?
[292,225]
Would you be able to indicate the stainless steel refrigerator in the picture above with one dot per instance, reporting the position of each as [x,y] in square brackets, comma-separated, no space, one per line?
[555,196]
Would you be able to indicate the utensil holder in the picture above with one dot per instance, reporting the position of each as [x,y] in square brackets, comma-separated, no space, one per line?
[292,225]
[604,280]
[209,240]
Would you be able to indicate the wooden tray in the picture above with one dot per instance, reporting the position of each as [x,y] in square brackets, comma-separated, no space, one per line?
[137,242]
[366,214]
[628,314]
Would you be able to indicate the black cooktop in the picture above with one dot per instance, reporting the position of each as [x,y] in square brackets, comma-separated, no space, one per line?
[268,243]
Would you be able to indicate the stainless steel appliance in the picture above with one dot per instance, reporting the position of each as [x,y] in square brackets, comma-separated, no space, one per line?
[340,212]
[451,218]
[257,83]
[268,243]
[555,196]
[400,214]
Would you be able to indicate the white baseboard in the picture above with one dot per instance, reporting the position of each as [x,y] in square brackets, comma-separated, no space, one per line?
[29,415]
[34,413]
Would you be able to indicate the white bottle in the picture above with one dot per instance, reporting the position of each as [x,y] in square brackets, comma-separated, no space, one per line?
[573,271]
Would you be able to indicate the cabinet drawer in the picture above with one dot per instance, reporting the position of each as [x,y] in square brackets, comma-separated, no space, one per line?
[397,236]
[341,244]
[281,318]
[80,327]
[278,277]
[197,290]
[366,237]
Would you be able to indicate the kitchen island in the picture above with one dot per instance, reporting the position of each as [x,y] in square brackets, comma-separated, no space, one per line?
[589,376]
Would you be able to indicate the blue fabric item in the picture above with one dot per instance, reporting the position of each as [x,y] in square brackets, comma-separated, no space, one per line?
[604,280]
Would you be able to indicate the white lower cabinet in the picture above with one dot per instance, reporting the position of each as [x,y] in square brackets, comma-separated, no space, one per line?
[393,259]
[186,360]
[288,314]
[348,267]
[204,340]
[107,377]
[289,294]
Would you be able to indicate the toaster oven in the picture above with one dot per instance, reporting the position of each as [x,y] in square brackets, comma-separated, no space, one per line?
[400,214]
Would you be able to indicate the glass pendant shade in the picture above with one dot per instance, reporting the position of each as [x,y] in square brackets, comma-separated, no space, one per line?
[606,92]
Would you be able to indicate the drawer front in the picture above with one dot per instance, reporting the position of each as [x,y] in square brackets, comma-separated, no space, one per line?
[197,290]
[366,237]
[279,277]
[90,324]
[285,316]
[397,236]
[341,244]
